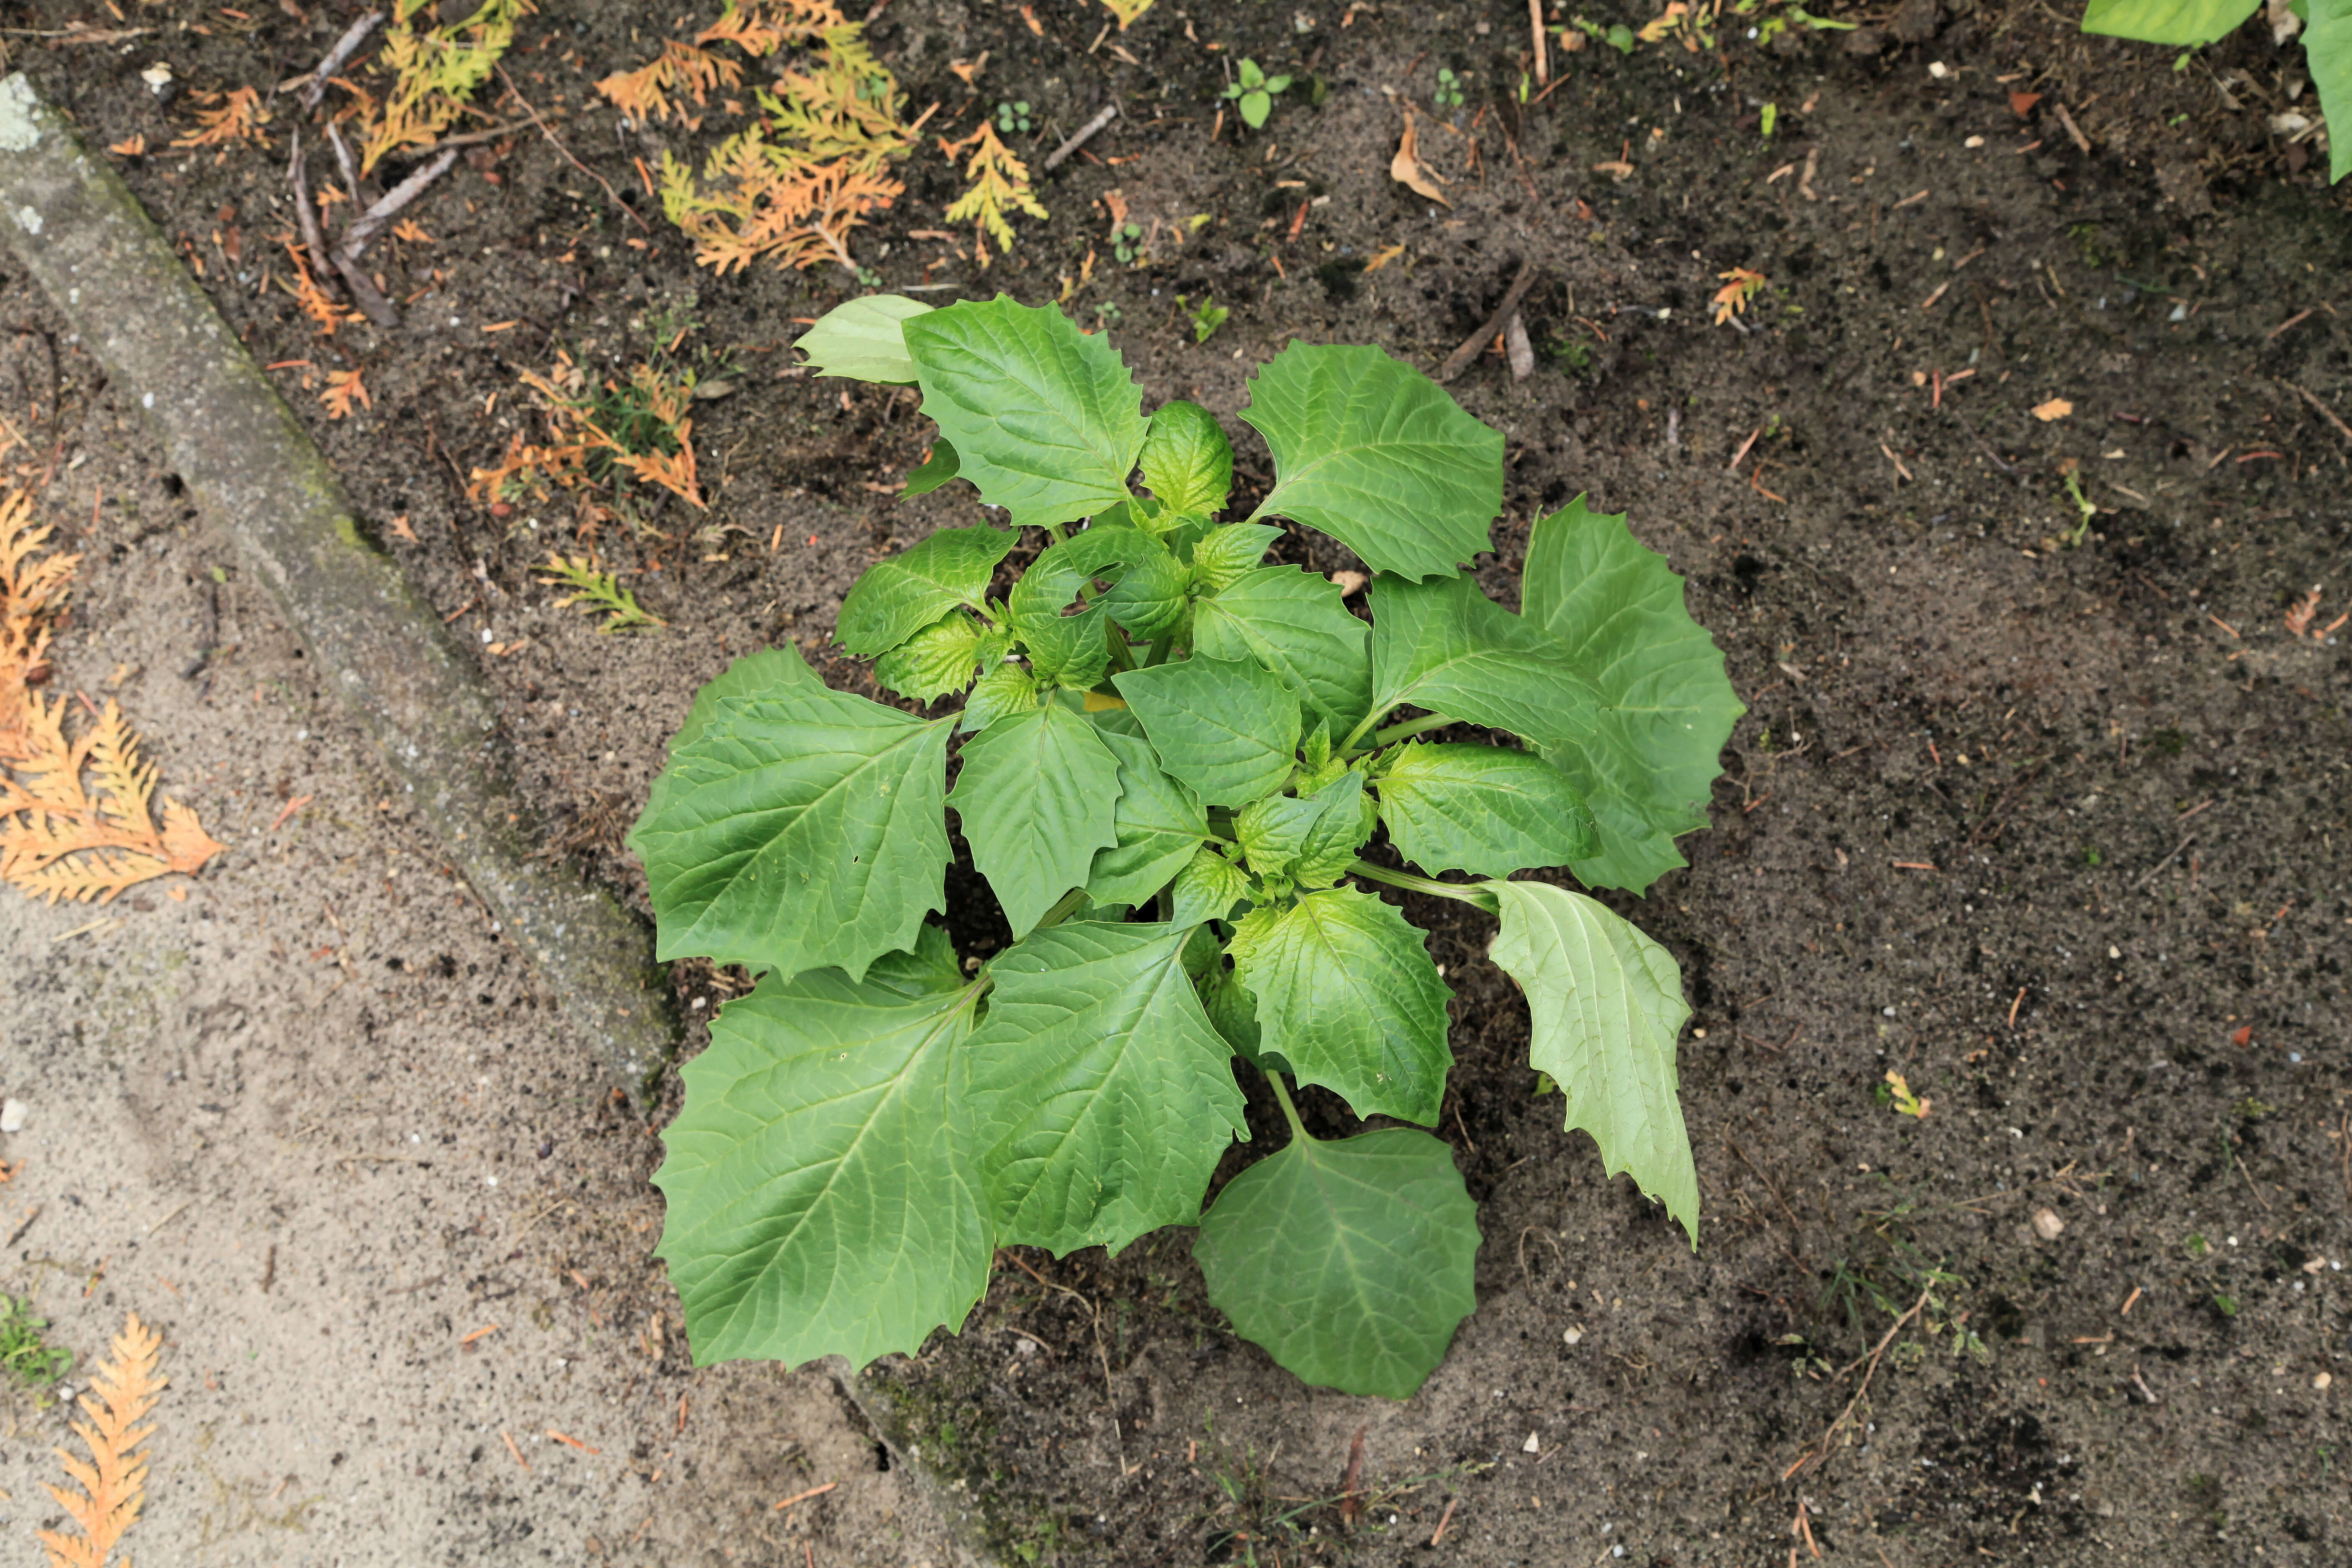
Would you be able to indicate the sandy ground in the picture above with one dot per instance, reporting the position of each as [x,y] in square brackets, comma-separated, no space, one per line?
[310,1117]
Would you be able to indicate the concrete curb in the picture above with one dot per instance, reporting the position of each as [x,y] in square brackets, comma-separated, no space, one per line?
[73,223]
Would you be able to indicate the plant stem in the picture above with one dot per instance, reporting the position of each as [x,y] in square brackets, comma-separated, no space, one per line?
[1063,907]
[1289,1112]
[1410,728]
[1357,733]
[1406,879]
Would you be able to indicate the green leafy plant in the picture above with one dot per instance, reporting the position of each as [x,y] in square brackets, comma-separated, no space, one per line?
[26,1355]
[1449,89]
[1174,761]
[1206,317]
[1256,92]
[2326,27]
[1012,117]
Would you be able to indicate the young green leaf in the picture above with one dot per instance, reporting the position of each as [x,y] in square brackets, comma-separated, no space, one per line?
[1186,460]
[1226,727]
[941,658]
[927,969]
[1606,1007]
[1225,554]
[1147,590]
[1046,421]
[1614,609]
[1005,689]
[1297,625]
[1376,455]
[1104,1097]
[2328,50]
[2190,23]
[798,829]
[1309,839]
[1350,1261]
[1483,808]
[1446,647]
[823,1183]
[1036,799]
[1347,994]
[932,472]
[907,592]
[1234,1012]
[772,671]
[863,339]
[1207,888]
[1158,821]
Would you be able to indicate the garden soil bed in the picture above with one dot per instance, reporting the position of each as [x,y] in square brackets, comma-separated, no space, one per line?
[2042,819]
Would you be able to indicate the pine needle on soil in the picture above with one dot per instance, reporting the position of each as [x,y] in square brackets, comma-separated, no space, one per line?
[123,1393]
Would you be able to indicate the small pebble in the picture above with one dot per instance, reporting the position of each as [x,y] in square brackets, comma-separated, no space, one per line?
[2047,1225]
[12,1115]
[1574,1335]
[2321,1380]
[1533,1444]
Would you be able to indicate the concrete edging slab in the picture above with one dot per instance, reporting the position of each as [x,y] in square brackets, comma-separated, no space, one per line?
[75,226]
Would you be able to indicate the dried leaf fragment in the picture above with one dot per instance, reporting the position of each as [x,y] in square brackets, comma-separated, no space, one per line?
[2298,617]
[1407,169]
[2055,409]
[123,1393]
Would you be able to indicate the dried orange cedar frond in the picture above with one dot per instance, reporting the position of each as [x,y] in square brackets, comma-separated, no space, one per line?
[1739,285]
[2299,617]
[999,181]
[436,71]
[239,119]
[756,198]
[1127,11]
[123,1393]
[32,596]
[59,840]
[645,93]
[344,389]
[323,311]
[763,27]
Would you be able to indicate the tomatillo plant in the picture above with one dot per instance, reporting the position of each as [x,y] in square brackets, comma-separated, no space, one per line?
[1173,759]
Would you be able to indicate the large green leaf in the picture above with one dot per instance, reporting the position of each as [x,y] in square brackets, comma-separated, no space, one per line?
[1227,553]
[2327,49]
[1223,726]
[1347,994]
[1483,808]
[941,657]
[1615,610]
[1446,647]
[1309,840]
[769,671]
[1037,797]
[1007,688]
[863,339]
[1606,1003]
[1158,824]
[1376,455]
[903,594]
[1297,626]
[1045,420]
[823,1180]
[1187,460]
[798,828]
[933,471]
[1350,1261]
[2184,22]
[1104,1097]
[1207,888]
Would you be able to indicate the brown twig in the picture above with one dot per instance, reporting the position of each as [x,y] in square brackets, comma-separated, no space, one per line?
[556,143]
[1475,343]
[2150,875]
[344,161]
[1085,133]
[345,46]
[306,216]
[2329,413]
[1820,1450]
[369,224]
[365,293]
[1445,1518]
[1351,1502]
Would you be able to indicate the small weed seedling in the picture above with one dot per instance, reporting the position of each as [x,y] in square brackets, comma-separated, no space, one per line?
[1206,317]
[26,1355]
[1175,762]
[1012,117]
[1449,89]
[1127,244]
[1255,92]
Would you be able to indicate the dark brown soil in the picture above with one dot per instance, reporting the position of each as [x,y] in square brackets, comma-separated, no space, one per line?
[2045,825]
